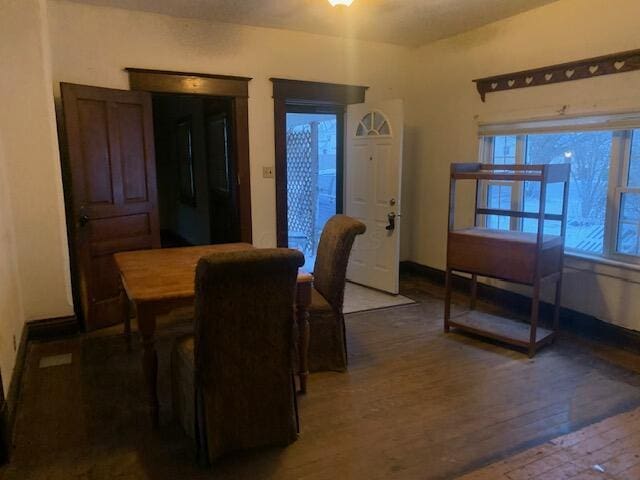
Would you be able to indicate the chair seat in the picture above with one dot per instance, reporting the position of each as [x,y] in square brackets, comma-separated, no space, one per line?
[182,366]
[319,304]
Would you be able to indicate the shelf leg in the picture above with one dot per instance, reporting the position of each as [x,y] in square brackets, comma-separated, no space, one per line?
[474,291]
[556,307]
[535,310]
[447,299]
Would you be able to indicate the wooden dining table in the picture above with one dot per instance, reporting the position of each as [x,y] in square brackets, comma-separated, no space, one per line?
[158,281]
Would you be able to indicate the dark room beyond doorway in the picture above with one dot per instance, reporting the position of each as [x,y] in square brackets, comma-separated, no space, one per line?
[197,191]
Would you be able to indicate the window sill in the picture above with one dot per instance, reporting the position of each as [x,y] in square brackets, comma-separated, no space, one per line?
[603,266]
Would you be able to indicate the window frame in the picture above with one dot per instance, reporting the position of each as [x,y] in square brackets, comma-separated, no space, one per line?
[619,164]
[620,188]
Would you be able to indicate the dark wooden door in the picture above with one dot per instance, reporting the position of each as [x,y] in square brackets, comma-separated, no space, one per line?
[113,194]
[223,208]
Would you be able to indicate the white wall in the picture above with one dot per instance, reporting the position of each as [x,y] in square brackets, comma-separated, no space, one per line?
[27,123]
[11,311]
[445,110]
[34,269]
[91,45]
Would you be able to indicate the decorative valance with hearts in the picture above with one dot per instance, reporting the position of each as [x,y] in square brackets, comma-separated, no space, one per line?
[581,69]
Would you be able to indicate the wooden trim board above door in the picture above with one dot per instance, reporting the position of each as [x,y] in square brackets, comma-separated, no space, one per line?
[236,88]
[294,91]
[288,92]
[163,81]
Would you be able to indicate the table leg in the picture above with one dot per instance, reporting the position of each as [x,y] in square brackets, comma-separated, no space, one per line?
[127,318]
[303,300]
[147,327]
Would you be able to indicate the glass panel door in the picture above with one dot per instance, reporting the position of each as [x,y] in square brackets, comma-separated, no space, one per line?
[313,179]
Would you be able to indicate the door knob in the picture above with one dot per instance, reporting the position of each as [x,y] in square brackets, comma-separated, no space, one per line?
[83,220]
[391,217]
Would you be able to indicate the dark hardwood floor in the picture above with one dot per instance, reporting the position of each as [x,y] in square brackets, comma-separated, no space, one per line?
[415,404]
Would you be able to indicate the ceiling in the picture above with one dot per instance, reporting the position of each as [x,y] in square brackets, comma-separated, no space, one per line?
[404,22]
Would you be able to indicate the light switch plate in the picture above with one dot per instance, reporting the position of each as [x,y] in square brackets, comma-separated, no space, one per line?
[267,172]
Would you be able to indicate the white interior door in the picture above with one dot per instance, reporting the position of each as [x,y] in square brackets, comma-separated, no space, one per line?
[373,171]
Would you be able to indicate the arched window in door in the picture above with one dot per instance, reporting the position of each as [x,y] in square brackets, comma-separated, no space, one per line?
[373,124]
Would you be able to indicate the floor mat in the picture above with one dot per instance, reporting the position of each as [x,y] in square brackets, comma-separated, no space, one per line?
[359,299]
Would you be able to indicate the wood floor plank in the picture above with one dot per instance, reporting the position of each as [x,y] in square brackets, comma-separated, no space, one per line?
[415,403]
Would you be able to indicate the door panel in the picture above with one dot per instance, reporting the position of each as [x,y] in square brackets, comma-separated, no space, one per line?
[102,229]
[359,172]
[112,183]
[132,139]
[106,284]
[373,168]
[94,138]
[384,179]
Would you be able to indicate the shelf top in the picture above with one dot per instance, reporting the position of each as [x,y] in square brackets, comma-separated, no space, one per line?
[549,173]
[500,175]
[509,236]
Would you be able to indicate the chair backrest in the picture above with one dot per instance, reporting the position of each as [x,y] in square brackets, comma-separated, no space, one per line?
[330,270]
[244,342]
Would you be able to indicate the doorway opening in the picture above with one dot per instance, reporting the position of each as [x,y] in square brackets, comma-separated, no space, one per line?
[196,169]
[314,148]
[309,158]
[215,126]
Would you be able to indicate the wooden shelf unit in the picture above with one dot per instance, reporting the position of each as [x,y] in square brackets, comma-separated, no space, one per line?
[513,256]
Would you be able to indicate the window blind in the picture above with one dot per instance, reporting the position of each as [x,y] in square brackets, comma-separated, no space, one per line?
[624,121]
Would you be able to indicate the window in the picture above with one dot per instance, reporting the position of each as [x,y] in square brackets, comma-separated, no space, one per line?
[603,217]
[499,197]
[373,124]
[628,197]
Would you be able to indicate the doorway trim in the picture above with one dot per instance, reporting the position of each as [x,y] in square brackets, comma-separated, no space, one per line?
[236,88]
[300,94]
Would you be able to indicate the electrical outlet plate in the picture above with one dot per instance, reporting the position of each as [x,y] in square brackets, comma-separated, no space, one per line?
[267,172]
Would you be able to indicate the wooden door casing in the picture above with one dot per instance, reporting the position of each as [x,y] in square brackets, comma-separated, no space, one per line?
[234,88]
[299,93]
[113,192]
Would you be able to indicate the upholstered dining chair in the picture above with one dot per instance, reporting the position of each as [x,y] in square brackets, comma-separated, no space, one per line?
[327,341]
[232,380]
